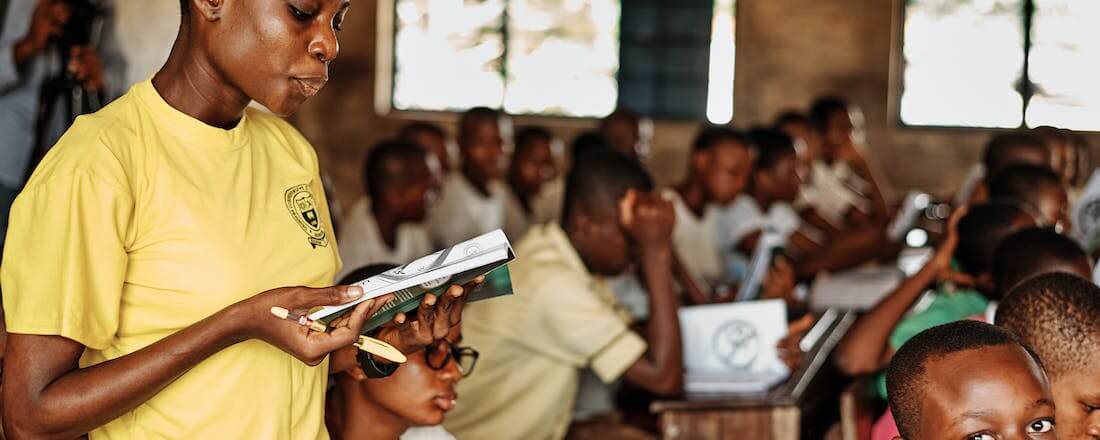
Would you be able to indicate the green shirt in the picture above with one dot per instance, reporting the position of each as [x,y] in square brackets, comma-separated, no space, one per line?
[946,307]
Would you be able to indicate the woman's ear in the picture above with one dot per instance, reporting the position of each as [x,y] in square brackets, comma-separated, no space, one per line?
[209,10]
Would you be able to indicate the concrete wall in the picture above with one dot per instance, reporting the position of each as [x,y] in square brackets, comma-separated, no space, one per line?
[788,51]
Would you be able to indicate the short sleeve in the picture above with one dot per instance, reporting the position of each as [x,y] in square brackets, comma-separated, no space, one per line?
[65,257]
[743,219]
[574,326]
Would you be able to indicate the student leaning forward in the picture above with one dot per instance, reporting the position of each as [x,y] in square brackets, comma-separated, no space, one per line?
[146,251]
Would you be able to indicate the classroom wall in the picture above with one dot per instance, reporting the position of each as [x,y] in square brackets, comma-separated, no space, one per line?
[788,52]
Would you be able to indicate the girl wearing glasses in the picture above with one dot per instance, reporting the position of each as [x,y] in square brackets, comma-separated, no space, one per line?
[408,405]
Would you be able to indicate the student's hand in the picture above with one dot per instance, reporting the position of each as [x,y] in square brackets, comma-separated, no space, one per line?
[433,321]
[647,218]
[85,66]
[946,251]
[780,281]
[256,321]
[789,348]
[47,22]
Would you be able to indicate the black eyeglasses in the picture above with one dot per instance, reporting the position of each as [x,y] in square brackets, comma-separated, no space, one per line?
[443,351]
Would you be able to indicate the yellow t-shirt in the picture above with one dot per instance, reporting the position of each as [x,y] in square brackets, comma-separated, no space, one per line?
[534,344]
[142,221]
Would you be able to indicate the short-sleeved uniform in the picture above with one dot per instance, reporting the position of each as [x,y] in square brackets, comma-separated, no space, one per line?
[143,221]
[534,344]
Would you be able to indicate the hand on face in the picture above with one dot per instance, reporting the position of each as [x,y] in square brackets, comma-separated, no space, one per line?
[85,66]
[647,218]
[47,22]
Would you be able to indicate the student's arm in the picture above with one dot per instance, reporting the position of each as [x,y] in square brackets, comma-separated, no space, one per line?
[47,22]
[695,293]
[649,221]
[811,216]
[47,395]
[866,347]
[862,167]
[847,250]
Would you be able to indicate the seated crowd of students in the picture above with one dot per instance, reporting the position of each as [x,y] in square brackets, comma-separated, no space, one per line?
[606,259]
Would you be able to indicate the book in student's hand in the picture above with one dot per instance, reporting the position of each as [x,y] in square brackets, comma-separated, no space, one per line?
[459,264]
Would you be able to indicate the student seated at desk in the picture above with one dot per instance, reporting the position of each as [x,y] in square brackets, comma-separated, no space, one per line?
[718,170]
[1058,315]
[535,190]
[564,318]
[432,138]
[825,201]
[622,130]
[386,225]
[1033,251]
[840,127]
[960,270]
[766,206]
[471,201]
[409,404]
[1038,189]
[970,380]
[1003,151]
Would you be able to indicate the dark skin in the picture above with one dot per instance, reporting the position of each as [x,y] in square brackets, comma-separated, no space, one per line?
[1051,206]
[482,153]
[639,229]
[781,183]
[404,203]
[866,348]
[226,54]
[532,167]
[965,398]
[47,23]
[1077,400]
[839,144]
[623,134]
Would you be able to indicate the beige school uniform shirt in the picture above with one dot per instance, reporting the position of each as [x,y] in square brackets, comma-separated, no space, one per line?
[534,344]
[462,212]
[361,242]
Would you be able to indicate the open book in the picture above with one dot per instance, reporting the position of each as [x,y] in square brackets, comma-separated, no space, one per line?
[459,264]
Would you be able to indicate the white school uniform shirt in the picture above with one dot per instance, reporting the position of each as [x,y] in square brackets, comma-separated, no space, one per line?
[545,208]
[745,217]
[427,433]
[463,212]
[360,242]
[828,193]
[698,241]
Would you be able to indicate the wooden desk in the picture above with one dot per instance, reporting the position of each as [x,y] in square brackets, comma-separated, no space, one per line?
[776,414]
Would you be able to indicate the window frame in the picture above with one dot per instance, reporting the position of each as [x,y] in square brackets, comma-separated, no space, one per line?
[1025,87]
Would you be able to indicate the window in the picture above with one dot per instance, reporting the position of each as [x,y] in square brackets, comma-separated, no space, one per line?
[1001,63]
[579,58]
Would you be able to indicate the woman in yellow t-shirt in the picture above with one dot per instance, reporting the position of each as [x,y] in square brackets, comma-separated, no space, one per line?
[138,251]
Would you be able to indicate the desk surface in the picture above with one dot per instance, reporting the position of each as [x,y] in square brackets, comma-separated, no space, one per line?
[790,393]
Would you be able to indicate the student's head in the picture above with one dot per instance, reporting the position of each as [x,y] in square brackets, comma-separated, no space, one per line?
[533,161]
[721,160]
[622,130]
[399,179]
[1014,148]
[798,127]
[980,231]
[837,121]
[1060,144]
[1058,315]
[422,391]
[967,379]
[266,50]
[431,137]
[1038,189]
[776,172]
[481,145]
[1035,251]
[587,142]
[591,215]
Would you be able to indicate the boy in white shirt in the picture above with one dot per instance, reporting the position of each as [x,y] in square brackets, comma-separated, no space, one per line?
[472,200]
[386,226]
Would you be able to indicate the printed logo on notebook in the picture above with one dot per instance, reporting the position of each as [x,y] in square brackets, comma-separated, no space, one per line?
[300,202]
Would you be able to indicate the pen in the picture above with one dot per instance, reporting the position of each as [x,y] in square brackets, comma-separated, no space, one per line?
[282,313]
[368,344]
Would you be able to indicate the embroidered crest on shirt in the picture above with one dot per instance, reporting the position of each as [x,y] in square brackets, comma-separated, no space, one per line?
[302,206]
